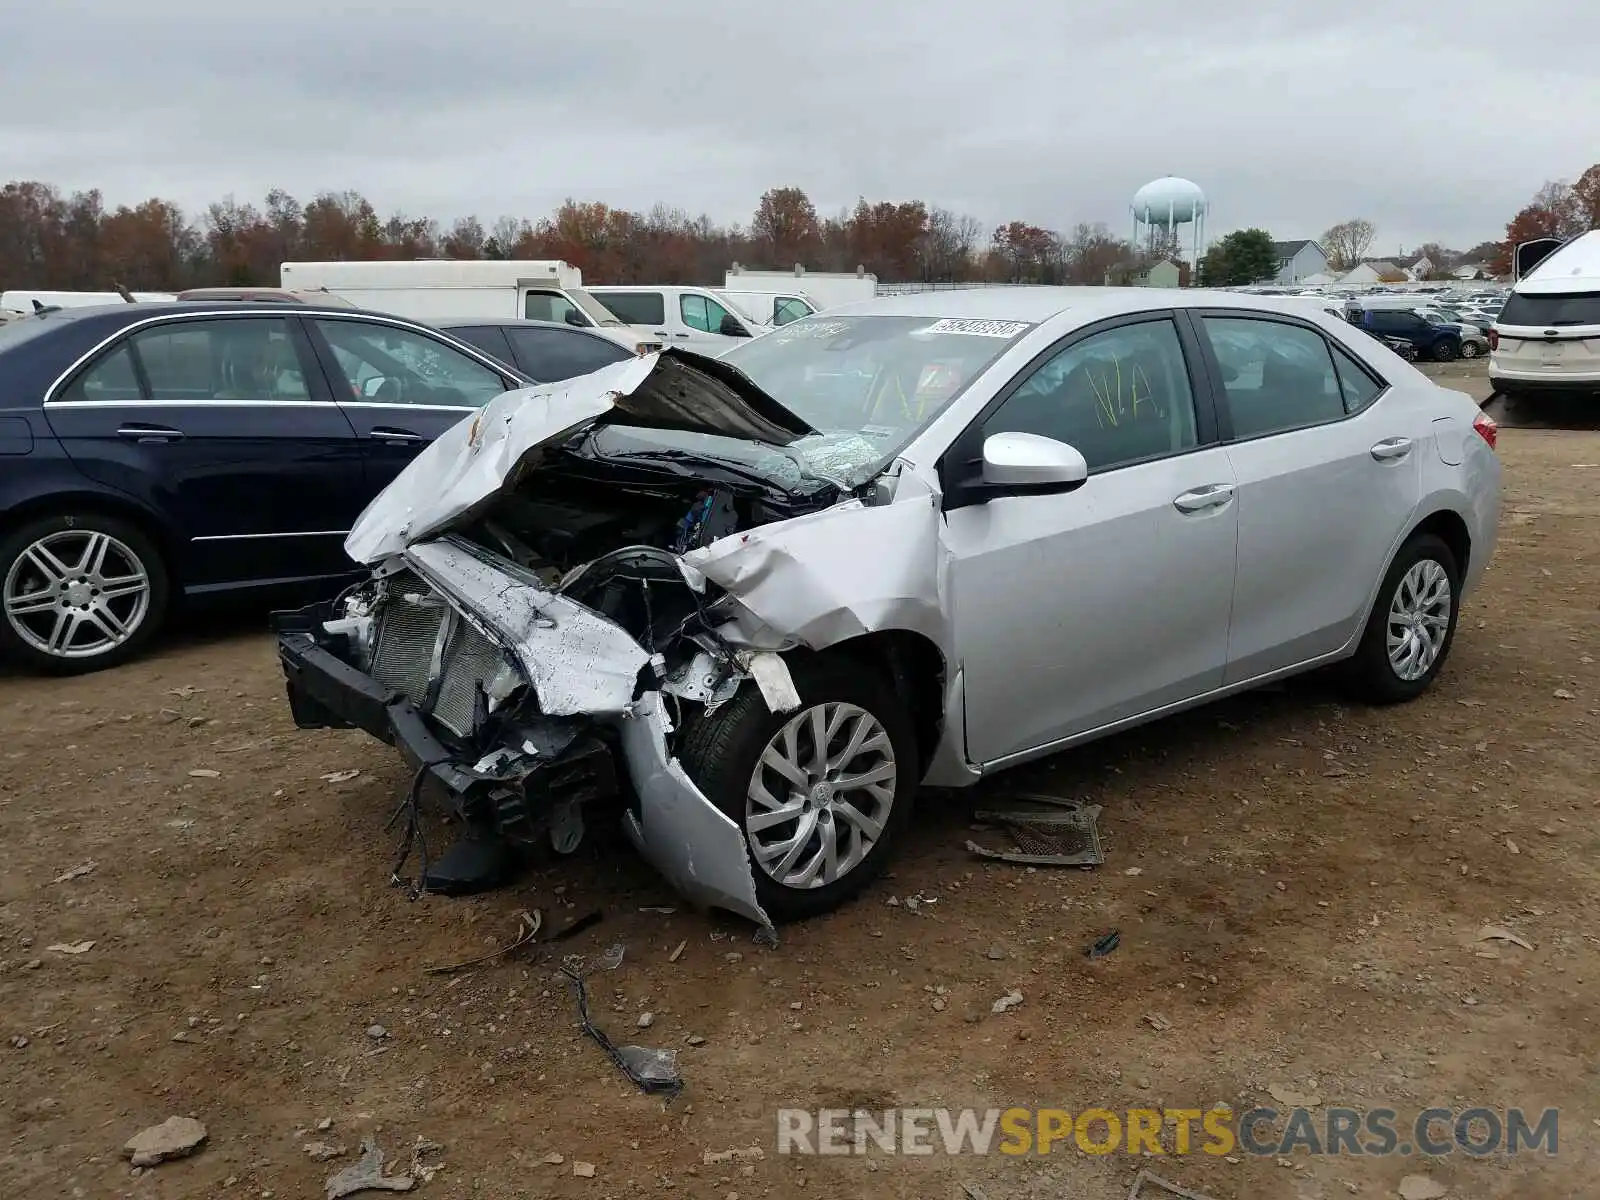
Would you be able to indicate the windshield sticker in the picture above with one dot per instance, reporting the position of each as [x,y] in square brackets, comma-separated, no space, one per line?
[810,329]
[994,329]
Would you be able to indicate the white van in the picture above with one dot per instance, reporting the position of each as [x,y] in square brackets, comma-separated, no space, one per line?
[695,318]
[1547,337]
[446,289]
[771,308]
[825,289]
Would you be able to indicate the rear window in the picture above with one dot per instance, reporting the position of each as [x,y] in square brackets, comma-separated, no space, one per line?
[636,308]
[1554,309]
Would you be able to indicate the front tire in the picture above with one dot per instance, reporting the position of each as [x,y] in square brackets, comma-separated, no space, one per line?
[1412,624]
[821,793]
[79,592]
[1444,350]
[1469,349]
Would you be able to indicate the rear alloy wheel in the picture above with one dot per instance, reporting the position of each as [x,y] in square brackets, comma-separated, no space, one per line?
[821,793]
[1412,625]
[1444,350]
[1469,349]
[79,593]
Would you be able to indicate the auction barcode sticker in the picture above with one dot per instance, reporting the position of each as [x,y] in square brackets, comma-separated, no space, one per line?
[995,329]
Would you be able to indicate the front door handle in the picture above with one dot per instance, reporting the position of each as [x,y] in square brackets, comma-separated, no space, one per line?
[396,437]
[150,433]
[1391,448]
[1213,495]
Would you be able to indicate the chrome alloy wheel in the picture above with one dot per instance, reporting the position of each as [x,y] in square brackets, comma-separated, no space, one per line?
[1419,619]
[76,593]
[820,796]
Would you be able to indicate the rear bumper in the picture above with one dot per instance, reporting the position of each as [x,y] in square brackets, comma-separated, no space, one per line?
[1547,384]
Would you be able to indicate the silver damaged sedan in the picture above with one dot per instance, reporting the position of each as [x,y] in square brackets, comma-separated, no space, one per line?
[755,602]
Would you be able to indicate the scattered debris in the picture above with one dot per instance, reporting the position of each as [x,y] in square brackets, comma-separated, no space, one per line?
[1146,1180]
[576,926]
[367,1175]
[1134,871]
[583,1170]
[711,1158]
[1157,1022]
[176,1137]
[75,872]
[1046,831]
[1284,1094]
[694,1039]
[554,1160]
[646,1019]
[1499,933]
[660,910]
[377,1032]
[323,1152]
[1007,1002]
[204,773]
[1420,1187]
[420,1149]
[678,952]
[973,1192]
[1512,846]
[528,925]
[71,947]
[1104,945]
[1563,694]
[995,953]
[341,776]
[654,1072]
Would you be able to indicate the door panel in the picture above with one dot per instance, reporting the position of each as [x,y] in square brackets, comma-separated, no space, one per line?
[1078,610]
[400,389]
[218,426]
[1322,497]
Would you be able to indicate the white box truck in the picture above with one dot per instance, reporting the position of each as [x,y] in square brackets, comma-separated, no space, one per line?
[824,289]
[449,289]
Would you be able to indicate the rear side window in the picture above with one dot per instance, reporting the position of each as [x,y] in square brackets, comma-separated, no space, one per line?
[1277,376]
[1556,309]
[549,355]
[110,380]
[253,359]
[1359,386]
[636,308]
[487,338]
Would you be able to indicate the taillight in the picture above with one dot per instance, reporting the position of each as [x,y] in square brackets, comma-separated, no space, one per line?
[1494,339]
[1487,429]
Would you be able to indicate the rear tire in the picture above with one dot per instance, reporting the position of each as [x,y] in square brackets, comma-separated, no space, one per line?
[1469,349]
[1444,350]
[759,768]
[79,592]
[1412,624]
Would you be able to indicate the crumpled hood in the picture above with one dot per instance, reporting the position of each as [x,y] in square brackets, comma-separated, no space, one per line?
[471,461]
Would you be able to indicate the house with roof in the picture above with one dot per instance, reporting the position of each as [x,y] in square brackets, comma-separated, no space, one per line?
[1298,261]
[1375,270]
[1417,266]
[1161,273]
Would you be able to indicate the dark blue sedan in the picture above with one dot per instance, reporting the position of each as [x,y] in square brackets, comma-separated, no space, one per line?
[155,451]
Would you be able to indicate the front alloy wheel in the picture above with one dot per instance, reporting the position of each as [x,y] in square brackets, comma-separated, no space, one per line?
[820,795]
[78,593]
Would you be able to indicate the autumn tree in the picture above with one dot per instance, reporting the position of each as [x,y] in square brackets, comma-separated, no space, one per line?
[1090,251]
[1556,211]
[1586,192]
[466,239]
[1346,243]
[1024,253]
[785,229]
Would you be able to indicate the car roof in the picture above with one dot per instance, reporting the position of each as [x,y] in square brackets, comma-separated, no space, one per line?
[511,323]
[1038,304]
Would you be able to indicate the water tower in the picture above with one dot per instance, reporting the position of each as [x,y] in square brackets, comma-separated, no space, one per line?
[1161,207]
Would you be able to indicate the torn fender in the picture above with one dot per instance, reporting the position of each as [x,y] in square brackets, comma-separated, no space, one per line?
[688,839]
[473,459]
[832,575]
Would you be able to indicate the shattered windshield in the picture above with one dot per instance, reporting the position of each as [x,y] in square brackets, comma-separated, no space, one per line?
[868,383]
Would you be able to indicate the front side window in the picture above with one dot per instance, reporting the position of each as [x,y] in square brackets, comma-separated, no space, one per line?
[702,313]
[636,308]
[550,355]
[384,364]
[1276,376]
[1118,397]
[552,306]
[789,309]
[249,359]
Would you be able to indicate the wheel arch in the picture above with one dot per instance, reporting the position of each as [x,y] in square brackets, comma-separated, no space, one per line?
[915,667]
[84,501]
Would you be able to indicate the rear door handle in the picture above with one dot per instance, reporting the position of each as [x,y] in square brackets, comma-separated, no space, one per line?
[1389,448]
[1213,495]
[397,437]
[150,433]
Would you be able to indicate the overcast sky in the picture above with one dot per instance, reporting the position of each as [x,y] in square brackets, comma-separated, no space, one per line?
[1426,119]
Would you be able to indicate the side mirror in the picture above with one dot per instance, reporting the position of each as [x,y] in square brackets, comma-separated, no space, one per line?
[576,319]
[731,327]
[1030,462]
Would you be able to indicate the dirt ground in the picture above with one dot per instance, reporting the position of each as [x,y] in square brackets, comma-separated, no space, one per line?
[1299,886]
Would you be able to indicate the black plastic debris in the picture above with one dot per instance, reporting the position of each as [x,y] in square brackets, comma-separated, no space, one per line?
[654,1072]
[1104,945]
[576,926]
[1044,831]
